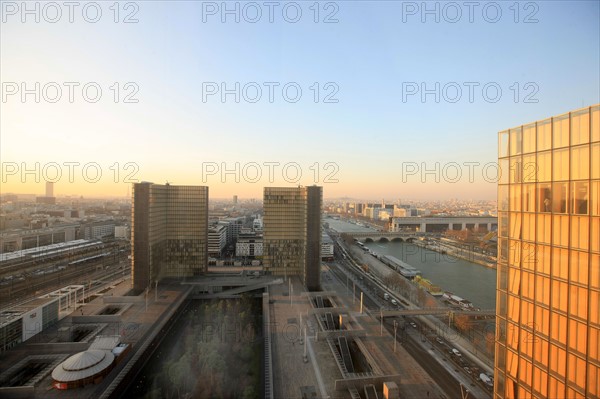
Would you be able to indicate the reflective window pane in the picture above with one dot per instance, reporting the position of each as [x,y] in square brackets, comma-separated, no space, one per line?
[595,161]
[579,267]
[595,234]
[503,224]
[543,256]
[560,263]
[544,166]
[559,197]
[594,315]
[504,171]
[516,170]
[516,141]
[580,233]
[595,271]
[503,198]
[515,197]
[503,144]
[595,124]
[593,382]
[529,197]
[560,230]
[544,197]
[530,169]
[529,138]
[580,195]
[580,162]
[580,127]
[544,136]
[529,227]
[560,131]
[595,198]
[544,228]
[560,164]
[542,294]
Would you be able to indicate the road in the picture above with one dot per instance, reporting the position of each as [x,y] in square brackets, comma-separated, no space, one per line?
[407,336]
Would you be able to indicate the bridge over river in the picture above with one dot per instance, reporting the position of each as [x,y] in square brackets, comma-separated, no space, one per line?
[405,236]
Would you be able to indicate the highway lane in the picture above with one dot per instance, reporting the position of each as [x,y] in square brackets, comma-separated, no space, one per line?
[438,373]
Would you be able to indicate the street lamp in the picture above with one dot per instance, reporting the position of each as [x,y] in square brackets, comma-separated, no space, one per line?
[395,330]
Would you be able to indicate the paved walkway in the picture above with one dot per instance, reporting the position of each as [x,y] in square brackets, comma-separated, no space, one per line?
[290,373]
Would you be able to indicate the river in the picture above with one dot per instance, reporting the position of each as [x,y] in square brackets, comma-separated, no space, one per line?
[466,279]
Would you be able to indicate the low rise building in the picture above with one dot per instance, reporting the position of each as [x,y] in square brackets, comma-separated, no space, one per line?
[327,247]
[234,226]
[217,239]
[21,322]
[250,245]
[98,229]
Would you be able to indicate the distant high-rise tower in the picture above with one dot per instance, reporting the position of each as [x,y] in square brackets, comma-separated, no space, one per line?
[292,233]
[235,200]
[169,232]
[49,189]
[548,285]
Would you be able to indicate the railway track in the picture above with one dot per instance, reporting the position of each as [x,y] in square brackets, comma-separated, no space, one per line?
[33,286]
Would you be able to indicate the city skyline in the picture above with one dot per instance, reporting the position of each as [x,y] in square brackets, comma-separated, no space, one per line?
[336,199]
[379,123]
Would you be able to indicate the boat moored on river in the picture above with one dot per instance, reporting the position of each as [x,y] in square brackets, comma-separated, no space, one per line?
[458,301]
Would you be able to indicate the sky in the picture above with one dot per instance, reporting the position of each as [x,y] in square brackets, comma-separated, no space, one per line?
[370,99]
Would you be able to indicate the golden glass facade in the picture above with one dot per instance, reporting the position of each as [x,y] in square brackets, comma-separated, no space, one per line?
[292,233]
[169,232]
[548,287]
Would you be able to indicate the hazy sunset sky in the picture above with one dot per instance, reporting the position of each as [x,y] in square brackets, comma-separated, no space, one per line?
[179,50]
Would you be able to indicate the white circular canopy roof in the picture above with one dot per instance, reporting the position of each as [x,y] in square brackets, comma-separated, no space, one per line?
[83,365]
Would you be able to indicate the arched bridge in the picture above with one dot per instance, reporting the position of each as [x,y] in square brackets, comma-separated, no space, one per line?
[389,236]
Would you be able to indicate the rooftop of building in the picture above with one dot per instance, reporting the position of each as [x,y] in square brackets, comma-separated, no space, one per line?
[595,107]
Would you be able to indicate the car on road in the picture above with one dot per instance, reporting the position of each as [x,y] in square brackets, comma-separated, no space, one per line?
[487,380]
[439,340]
[456,352]
[413,324]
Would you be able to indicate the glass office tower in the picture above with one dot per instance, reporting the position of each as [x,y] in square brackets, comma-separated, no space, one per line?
[548,289]
[169,233]
[292,233]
